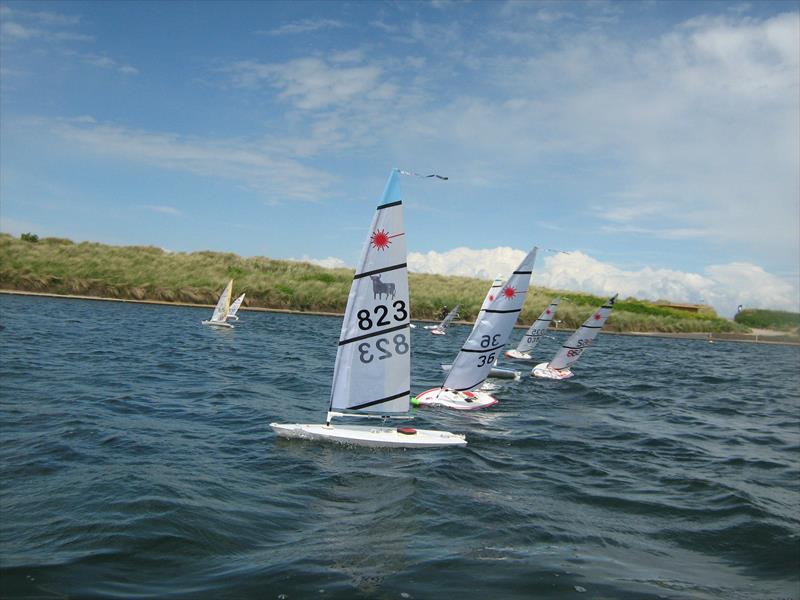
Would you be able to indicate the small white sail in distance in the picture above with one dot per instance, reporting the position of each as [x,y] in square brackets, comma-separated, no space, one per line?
[220,313]
[235,307]
[535,332]
[571,350]
[372,374]
[487,339]
[442,327]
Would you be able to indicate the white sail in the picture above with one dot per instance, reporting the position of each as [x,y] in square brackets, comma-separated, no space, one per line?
[539,327]
[224,302]
[491,331]
[373,368]
[582,338]
[497,284]
[449,318]
[235,306]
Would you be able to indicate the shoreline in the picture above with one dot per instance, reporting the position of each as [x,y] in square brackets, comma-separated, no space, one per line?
[700,336]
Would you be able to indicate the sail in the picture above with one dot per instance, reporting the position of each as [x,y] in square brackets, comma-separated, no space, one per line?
[235,306]
[583,337]
[224,302]
[490,295]
[491,331]
[537,330]
[449,318]
[373,362]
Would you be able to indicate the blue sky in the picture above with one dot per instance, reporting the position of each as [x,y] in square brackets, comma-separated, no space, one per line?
[657,142]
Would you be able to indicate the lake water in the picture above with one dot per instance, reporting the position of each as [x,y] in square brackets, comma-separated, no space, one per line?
[137,462]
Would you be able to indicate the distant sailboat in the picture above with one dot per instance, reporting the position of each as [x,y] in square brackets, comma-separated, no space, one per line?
[235,308]
[487,339]
[441,328]
[372,374]
[570,352]
[535,333]
[221,310]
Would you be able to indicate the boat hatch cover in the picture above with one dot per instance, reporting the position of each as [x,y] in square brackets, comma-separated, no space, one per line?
[406,430]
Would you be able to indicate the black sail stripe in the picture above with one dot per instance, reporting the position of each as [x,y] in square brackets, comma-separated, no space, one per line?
[502,311]
[390,204]
[592,326]
[522,272]
[373,334]
[543,320]
[464,389]
[383,270]
[381,401]
[575,347]
[482,349]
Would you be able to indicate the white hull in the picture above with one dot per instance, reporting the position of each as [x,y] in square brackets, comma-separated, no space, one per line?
[544,371]
[496,372]
[435,331]
[453,399]
[517,355]
[365,435]
[233,318]
[430,326]
[218,324]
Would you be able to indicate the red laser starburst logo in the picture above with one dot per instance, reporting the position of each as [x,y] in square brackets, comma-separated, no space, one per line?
[381,239]
[509,293]
[547,312]
[491,297]
[597,317]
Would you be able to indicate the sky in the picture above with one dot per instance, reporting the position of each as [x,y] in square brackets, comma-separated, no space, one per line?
[654,145]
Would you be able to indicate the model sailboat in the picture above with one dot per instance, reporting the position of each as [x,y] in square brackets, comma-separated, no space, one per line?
[372,374]
[235,308]
[479,353]
[441,328]
[535,333]
[221,309]
[570,352]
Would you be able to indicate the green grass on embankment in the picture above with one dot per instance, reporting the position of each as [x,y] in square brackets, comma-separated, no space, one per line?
[769,319]
[59,266]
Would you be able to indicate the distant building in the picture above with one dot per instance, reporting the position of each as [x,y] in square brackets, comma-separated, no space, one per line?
[692,308]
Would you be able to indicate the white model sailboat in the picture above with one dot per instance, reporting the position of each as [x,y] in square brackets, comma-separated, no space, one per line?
[221,309]
[479,353]
[570,352]
[535,333]
[372,375]
[235,308]
[441,328]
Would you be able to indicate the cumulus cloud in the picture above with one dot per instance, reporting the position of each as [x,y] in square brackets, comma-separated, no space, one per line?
[329,263]
[163,209]
[303,26]
[722,286]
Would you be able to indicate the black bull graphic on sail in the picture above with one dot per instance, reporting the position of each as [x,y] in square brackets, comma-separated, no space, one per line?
[380,287]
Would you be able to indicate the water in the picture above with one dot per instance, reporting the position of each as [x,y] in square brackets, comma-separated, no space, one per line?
[137,462]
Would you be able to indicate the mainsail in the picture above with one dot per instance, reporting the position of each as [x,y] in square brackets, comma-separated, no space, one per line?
[224,302]
[235,306]
[582,338]
[373,362]
[539,327]
[491,331]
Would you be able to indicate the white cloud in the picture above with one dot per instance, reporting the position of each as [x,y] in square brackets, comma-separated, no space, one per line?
[303,26]
[246,161]
[165,210]
[312,83]
[329,263]
[722,286]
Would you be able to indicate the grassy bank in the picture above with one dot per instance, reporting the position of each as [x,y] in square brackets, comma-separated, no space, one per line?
[769,319]
[60,266]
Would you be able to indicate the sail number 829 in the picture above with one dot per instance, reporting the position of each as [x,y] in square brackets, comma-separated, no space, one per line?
[381,312]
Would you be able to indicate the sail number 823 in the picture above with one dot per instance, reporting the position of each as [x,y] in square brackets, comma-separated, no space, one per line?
[383,347]
[381,313]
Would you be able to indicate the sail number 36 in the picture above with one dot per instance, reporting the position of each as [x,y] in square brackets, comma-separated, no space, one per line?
[381,313]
